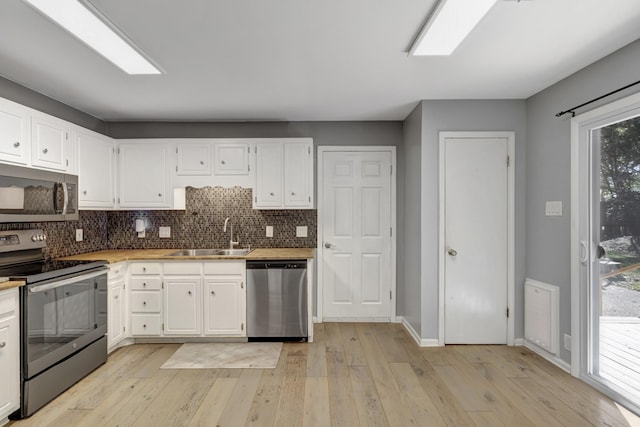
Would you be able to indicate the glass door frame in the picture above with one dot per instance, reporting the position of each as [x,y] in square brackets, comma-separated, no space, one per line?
[585,184]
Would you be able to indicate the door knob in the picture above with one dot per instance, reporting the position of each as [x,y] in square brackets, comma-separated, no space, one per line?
[327,245]
[600,252]
[452,252]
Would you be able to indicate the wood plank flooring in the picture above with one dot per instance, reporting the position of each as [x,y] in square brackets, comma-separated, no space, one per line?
[352,375]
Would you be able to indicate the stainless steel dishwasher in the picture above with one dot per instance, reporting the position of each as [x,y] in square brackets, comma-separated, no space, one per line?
[276,299]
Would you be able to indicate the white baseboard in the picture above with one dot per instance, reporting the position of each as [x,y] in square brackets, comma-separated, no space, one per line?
[518,342]
[422,342]
[549,357]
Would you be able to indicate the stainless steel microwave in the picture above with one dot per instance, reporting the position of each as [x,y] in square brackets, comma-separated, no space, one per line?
[33,195]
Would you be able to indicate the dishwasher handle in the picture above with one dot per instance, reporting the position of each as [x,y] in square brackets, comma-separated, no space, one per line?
[280,265]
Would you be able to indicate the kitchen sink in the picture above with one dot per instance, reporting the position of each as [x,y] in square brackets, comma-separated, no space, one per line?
[210,252]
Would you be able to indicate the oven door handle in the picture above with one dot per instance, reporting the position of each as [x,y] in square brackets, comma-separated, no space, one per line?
[59,283]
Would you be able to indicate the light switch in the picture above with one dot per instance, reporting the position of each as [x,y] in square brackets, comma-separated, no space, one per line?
[553,208]
[164,232]
[301,231]
[269,230]
[79,235]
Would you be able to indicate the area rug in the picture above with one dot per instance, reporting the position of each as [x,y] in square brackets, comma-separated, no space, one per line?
[259,355]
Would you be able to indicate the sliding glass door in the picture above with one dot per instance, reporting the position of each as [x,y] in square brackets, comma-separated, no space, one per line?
[609,217]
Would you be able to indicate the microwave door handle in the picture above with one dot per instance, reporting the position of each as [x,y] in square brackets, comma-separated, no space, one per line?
[59,283]
[65,191]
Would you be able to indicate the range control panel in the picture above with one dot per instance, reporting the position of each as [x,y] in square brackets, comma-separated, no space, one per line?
[16,240]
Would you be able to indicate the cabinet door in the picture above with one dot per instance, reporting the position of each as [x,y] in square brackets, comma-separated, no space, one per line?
[298,173]
[223,306]
[193,159]
[15,133]
[49,139]
[231,159]
[182,302]
[96,164]
[9,356]
[268,175]
[144,175]
[116,307]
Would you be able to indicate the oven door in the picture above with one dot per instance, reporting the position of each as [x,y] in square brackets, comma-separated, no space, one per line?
[60,317]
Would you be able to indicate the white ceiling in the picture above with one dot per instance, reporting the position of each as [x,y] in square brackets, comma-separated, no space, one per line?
[304,59]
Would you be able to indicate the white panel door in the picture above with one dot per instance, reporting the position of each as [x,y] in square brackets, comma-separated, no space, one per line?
[49,137]
[182,306]
[297,179]
[144,175]
[223,306]
[231,158]
[96,161]
[356,235]
[193,159]
[476,233]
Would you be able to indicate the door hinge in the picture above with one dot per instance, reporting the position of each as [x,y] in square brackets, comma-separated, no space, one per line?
[507,312]
[242,326]
[66,135]
[241,285]
[390,170]
[176,168]
[124,329]
[163,326]
[390,295]
[255,149]
[162,284]
[508,160]
[176,150]
[67,162]
[118,200]
[391,232]
[309,150]
[118,150]
[255,199]
[248,168]
[249,149]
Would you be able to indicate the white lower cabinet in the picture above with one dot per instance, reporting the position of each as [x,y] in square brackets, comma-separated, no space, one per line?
[223,306]
[145,299]
[183,311]
[9,354]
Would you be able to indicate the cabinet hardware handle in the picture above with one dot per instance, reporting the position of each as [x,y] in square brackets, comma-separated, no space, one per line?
[213,293]
[159,194]
[16,144]
[293,194]
[189,292]
[452,252]
[45,151]
[202,162]
[84,192]
[115,297]
[222,161]
[144,285]
[144,268]
[144,326]
[3,344]
[271,194]
[144,303]
[66,293]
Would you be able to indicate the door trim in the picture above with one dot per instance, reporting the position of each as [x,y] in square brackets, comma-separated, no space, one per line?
[510,136]
[331,148]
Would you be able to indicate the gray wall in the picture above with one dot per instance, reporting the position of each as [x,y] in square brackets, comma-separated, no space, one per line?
[549,162]
[464,115]
[409,300]
[37,101]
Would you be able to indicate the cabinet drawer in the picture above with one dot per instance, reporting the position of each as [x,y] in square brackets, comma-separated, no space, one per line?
[117,271]
[8,303]
[146,302]
[183,268]
[146,268]
[224,268]
[145,283]
[146,324]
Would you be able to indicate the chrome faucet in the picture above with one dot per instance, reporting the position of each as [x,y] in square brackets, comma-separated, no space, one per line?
[224,230]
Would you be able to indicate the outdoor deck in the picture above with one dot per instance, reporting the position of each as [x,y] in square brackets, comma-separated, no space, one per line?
[620,352]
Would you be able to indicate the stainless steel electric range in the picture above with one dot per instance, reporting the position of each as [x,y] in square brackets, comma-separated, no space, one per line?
[63,317]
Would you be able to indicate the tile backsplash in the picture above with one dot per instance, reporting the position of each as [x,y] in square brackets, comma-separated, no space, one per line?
[199,226]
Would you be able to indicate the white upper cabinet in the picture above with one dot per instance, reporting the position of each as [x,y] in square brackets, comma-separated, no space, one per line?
[144,175]
[50,139]
[193,159]
[298,175]
[15,133]
[96,154]
[284,175]
[231,158]
[269,176]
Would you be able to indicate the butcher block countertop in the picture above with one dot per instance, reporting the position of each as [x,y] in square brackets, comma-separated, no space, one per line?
[117,255]
[11,284]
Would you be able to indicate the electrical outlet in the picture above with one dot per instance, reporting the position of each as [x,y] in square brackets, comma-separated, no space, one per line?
[79,235]
[567,342]
[301,231]
[269,230]
[164,232]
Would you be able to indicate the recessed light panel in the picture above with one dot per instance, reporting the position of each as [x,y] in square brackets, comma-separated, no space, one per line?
[448,25]
[74,17]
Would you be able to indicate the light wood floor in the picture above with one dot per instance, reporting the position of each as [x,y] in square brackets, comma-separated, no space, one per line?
[353,375]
